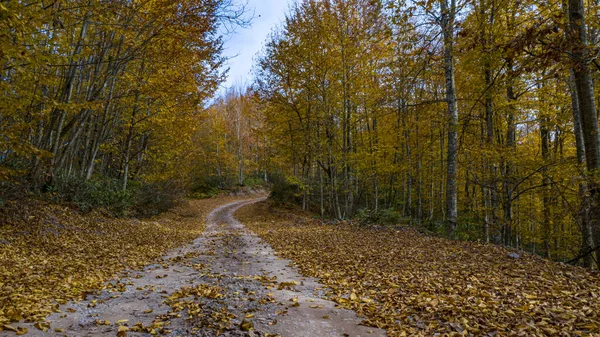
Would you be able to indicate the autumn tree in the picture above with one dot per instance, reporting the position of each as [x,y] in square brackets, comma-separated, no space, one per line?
[232,143]
[361,99]
[106,89]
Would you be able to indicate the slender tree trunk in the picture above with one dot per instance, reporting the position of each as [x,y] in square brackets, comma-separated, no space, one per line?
[546,221]
[128,142]
[375,164]
[408,156]
[448,8]
[587,238]
[507,184]
[419,175]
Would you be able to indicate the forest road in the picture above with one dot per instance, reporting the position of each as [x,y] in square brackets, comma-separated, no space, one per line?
[229,276]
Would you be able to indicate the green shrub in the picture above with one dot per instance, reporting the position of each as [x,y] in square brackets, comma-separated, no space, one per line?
[284,191]
[204,195]
[157,197]
[99,192]
[468,231]
[108,193]
[205,188]
[253,181]
[387,216]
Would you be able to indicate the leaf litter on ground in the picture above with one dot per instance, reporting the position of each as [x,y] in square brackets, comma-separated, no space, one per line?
[417,285]
[51,254]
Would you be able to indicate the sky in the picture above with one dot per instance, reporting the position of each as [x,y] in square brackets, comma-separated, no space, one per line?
[244,43]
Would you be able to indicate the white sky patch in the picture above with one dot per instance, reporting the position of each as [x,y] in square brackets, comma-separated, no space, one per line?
[243,44]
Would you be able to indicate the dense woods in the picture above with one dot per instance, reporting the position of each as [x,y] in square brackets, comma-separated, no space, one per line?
[399,168]
[472,118]
[476,119]
[108,91]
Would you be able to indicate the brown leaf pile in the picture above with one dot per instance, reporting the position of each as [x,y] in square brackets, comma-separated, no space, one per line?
[188,299]
[50,255]
[412,284]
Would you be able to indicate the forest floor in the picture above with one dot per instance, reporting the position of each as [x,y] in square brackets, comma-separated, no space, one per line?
[196,270]
[174,275]
[51,255]
[416,285]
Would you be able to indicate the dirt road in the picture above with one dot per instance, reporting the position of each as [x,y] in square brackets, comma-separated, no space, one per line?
[228,282]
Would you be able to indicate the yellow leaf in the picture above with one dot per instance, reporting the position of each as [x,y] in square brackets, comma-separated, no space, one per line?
[9,327]
[44,326]
[122,331]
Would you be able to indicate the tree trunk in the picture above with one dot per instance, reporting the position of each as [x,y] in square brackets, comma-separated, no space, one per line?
[447,23]
[587,239]
[507,185]
[587,108]
[546,219]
